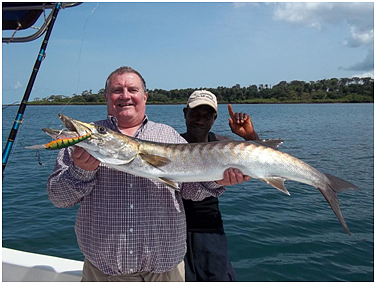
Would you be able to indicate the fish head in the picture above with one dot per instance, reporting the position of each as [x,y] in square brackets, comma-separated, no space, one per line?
[104,144]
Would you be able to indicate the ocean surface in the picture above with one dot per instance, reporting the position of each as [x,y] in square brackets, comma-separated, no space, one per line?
[272,236]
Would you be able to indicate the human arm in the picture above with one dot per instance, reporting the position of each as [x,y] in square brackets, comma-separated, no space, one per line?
[241,124]
[69,183]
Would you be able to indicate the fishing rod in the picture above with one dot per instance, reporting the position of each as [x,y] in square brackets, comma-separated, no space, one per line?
[19,117]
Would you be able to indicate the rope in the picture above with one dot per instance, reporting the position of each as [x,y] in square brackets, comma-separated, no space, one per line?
[14,33]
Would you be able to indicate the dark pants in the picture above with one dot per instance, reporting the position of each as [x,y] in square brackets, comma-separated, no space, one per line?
[207,258]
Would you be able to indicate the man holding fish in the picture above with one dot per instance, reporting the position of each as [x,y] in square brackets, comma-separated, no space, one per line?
[207,250]
[129,228]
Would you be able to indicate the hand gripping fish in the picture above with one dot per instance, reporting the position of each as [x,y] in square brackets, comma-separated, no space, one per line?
[199,162]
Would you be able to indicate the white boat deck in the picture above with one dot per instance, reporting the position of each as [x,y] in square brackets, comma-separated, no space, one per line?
[19,266]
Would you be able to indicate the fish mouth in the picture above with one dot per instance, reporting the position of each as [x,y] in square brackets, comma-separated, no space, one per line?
[67,122]
[74,128]
[79,127]
[59,133]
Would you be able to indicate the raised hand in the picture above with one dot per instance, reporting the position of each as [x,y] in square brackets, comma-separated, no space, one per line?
[241,124]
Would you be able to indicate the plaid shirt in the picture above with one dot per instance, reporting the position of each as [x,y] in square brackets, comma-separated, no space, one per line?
[127,224]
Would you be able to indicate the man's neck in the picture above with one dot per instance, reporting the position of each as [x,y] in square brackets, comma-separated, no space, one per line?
[129,128]
[130,131]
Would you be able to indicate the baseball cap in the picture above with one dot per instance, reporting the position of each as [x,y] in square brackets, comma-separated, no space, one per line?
[202,97]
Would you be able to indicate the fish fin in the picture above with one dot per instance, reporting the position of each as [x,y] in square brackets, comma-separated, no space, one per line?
[169,183]
[277,182]
[272,143]
[339,185]
[330,193]
[154,160]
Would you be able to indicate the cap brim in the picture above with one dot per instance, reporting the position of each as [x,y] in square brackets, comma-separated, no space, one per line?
[202,103]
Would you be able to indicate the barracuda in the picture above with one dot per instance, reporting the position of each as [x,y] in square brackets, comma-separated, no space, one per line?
[199,162]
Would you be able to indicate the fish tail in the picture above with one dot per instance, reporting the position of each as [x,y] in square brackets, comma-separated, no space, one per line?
[334,186]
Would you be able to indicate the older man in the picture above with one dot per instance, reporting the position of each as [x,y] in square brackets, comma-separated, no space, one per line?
[128,228]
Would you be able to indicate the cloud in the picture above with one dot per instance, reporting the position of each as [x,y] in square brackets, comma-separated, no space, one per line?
[359,37]
[365,65]
[364,75]
[357,15]
[17,86]
[321,13]
[300,13]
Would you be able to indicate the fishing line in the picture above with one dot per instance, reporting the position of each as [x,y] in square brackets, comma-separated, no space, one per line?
[9,105]
[37,154]
[38,157]
[78,79]
[79,56]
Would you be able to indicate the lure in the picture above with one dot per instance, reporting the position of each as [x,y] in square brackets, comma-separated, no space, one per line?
[61,143]
[66,142]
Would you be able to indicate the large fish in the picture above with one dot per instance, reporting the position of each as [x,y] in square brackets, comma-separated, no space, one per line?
[198,162]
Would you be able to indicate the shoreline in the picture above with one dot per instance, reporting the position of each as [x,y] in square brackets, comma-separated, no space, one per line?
[183,103]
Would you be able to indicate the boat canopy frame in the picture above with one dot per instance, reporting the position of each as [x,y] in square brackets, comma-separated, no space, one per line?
[22,16]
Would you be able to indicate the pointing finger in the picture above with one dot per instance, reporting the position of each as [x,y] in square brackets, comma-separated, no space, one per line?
[231,112]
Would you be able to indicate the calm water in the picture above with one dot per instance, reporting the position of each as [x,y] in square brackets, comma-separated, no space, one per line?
[272,236]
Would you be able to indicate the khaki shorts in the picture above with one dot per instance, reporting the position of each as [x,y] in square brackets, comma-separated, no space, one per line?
[90,274]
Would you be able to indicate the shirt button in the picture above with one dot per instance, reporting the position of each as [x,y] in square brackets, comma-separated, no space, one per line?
[131,206]
[131,230]
[130,185]
[131,270]
[131,252]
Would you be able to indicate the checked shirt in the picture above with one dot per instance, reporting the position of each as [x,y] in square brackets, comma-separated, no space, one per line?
[127,224]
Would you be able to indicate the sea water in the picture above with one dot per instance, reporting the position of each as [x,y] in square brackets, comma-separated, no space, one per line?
[272,236]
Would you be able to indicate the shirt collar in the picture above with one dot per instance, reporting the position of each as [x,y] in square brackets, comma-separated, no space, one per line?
[114,122]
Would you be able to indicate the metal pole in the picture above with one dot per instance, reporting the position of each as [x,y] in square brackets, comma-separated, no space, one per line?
[21,109]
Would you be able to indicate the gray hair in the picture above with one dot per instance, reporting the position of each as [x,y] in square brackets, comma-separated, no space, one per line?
[121,71]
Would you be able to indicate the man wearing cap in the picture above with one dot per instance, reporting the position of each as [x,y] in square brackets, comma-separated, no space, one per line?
[207,251]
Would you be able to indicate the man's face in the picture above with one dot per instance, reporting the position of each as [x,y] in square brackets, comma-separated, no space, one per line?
[199,120]
[126,99]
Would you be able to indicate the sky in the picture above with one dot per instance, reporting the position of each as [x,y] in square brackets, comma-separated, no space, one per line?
[176,45]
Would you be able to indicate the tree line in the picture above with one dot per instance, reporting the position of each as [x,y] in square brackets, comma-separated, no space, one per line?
[357,90]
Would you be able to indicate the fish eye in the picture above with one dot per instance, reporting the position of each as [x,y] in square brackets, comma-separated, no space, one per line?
[102,129]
